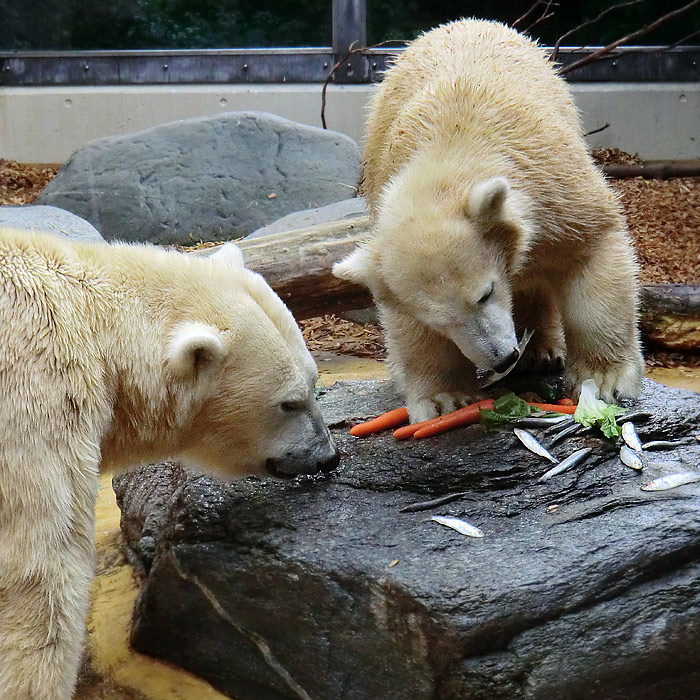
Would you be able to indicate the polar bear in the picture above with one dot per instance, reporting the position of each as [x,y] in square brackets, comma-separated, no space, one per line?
[489,218]
[112,355]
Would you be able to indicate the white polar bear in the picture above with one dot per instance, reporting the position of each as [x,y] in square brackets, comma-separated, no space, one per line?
[489,217]
[113,355]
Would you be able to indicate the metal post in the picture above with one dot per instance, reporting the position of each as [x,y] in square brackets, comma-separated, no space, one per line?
[350,32]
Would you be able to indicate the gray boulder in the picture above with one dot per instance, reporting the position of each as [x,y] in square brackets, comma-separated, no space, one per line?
[339,211]
[49,220]
[583,587]
[210,178]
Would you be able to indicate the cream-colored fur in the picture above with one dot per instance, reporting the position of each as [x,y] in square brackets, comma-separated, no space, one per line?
[113,355]
[490,217]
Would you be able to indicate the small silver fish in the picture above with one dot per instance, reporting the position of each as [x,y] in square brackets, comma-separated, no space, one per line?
[572,460]
[633,416]
[461,526]
[540,421]
[491,377]
[566,432]
[630,458]
[529,440]
[565,420]
[662,444]
[629,435]
[671,481]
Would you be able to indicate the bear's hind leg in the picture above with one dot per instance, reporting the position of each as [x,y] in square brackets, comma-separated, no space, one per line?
[600,322]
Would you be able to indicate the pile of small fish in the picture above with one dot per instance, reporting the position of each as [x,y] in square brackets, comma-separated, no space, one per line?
[559,428]
[631,452]
[632,455]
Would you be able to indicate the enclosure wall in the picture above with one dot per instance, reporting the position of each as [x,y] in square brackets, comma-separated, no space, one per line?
[46,124]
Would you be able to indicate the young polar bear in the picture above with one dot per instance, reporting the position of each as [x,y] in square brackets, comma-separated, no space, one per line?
[114,355]
[490,218]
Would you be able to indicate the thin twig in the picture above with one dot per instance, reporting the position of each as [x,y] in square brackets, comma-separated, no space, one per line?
[527,14]
[625,39]
[546,14]
[588,23]
[598,130]
[339,63]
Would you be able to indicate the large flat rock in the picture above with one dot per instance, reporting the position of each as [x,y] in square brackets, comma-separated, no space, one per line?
[48,219]
[210,178]
[321,588]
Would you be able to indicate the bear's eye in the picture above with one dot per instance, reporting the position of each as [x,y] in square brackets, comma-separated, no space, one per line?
[291,406]
[486,295]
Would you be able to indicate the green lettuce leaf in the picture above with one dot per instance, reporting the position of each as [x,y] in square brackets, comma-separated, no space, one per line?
[592,411]
[506,408]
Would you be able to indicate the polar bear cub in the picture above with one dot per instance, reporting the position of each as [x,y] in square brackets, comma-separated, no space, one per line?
[489,218]
[112,355]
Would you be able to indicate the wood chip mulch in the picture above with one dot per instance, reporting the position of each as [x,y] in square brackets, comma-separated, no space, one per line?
[21,183]
[663,217]
[332,334]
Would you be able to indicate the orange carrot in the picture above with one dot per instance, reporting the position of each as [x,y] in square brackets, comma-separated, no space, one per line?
[558,408]
[390,419]
[565,402]
[462,416]
[408,430]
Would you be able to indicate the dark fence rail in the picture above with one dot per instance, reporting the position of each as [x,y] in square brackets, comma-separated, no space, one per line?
[303,65]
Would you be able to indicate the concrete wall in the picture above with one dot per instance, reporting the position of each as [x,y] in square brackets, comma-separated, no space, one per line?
[45,125]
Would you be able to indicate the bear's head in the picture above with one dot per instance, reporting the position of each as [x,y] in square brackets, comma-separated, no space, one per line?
[447,258]
[254,378]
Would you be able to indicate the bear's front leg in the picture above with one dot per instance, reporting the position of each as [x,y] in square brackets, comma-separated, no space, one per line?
[600,322]
[536,310]
[430,370]
[46,561]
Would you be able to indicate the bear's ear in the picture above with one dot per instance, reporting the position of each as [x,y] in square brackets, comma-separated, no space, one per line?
[357,267]
[487,200]
[228,255]
[193,347]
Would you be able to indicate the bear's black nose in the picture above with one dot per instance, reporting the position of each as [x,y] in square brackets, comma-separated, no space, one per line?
[332,462]
[503,365]
[293,464]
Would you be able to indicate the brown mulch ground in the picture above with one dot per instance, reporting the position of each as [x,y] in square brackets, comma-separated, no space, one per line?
[663,217]
[21,183]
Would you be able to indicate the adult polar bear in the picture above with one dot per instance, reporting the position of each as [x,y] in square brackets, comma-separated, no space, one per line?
[115,355]
[490,217]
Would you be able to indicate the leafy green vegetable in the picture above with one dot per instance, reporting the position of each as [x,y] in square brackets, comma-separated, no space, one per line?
[592,411]
[506,408]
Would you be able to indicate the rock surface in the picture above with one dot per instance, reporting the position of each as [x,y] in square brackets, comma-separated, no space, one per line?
[355,208]
[49,220]
[321,588]
[210,178]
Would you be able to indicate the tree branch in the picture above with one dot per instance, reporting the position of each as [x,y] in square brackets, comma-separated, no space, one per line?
[527,14]
[625,39]
[588,23]
[339,63]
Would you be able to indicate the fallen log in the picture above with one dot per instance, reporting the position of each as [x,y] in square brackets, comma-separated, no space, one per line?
[670,316]
[297,265]
[654,170]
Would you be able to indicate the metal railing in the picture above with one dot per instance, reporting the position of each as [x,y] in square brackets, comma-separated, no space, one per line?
[303,65]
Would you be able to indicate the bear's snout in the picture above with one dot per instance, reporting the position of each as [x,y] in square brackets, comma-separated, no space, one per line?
[304,462]
[506,362]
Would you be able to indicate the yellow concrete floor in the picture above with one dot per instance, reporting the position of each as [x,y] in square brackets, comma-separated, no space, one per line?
[112,671]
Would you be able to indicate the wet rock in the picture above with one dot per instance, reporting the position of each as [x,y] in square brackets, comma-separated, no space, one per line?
[49,220]
[210,178]
[584,587]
